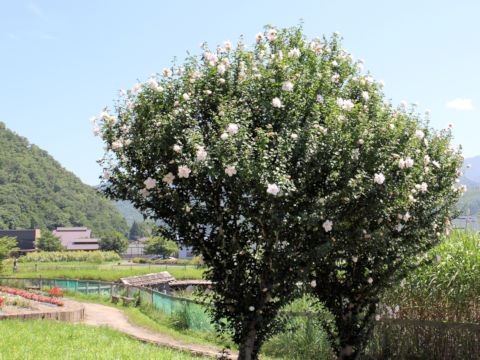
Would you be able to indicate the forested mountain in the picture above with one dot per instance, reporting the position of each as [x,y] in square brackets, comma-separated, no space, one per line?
[37,192]
[470,201]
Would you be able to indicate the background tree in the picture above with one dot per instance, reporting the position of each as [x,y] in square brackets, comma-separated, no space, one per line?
[49,242]
[160,245]
[254,158]
[140,229]
[114,241]
[8,244]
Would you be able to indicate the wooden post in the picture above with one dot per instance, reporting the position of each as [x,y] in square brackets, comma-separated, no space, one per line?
[111,289]
[36,267]
[40,282]
[86,287]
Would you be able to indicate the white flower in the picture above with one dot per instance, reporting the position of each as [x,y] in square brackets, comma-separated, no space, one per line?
[144,192]
[232,128]
[360,67]
[398,227]
[273,189]
[287,86]
[251,308]
[419,134]
[116,145]
[93,120]
[313,284]
[230,170]
[403,104]
[354,259]
[423,187]
[340,102]
[415,104]
[436,163]
[221,69]
[355,154]
[150,183]
[224,136]
[401,163]
[336,78]
[201,154]
[327,226]
[183,171]
[186,97]
[123,92]
[136,87]
[361,141]
[348,105]
[166,72]
[370,280]
[271,34]
[177,148]
[409,162]
[365,95]
[106,174]
[294,53]
[276,103]
[228,45]
[426,160]
[320,99]
[381,83]
[259,37]
[153,84]
[379,178]
[427,111]
[294,136]
[469,166]
[169,178]
[406,217]
[334,63]
[377,317]
[96,131]
[180,71]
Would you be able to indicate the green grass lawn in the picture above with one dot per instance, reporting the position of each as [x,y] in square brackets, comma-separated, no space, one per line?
[105,273]
[41,339]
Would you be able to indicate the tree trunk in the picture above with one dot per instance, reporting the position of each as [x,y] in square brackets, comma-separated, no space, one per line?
[247,348]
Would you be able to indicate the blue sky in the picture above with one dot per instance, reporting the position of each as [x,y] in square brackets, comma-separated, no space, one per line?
[62,61]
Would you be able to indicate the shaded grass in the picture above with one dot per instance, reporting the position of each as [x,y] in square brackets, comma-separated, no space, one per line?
[40,339]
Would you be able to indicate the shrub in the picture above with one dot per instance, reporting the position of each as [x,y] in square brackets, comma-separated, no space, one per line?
[66,256]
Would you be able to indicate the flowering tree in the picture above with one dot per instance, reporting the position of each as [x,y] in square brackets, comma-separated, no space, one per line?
[254,158]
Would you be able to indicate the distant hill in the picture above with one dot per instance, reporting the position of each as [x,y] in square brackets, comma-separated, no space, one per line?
[470,201]
[37,192]
[474,172]
[128,211]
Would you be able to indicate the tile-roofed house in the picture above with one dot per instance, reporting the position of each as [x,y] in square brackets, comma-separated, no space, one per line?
[25,238]
[77,238]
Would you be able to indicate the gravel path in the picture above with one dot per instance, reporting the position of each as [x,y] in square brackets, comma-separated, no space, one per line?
[101,315]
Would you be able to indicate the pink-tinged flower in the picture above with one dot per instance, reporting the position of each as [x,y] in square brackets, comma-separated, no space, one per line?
[259,37]
[348,105]
[168,178]
[381,83]
[401,163]
[377,317]
[287,86]
[150,183]
[271,35]
[144,192]
[224,136]
[123,92]
[313,284]
[415,104]
[340,102]
[327,226]
[409,162]
[276,102]
[423,187]
[294,53]
[398,227]
[137,87]
[294,136]
[127,142]
[221,80]
[365,95]
[177,148]
[232,128]
[226,62]
[354,259]
[186,97]
[426,160]
[320,99]
[180,71]
[406,217]
[129,104]
[273,189]
[93,120]
[221,69]
[379,178]
[228,45]
[360,67]
[450,125]
[201,154]
[183,171]
[106,174]
[116,145]
[96,131]
[361,142]
[403,104]
[427,111]
[419,134]
[230,170]
[335,78]
[166,72]
[153,84]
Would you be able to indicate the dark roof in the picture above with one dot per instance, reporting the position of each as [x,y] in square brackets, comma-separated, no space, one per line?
[25,238]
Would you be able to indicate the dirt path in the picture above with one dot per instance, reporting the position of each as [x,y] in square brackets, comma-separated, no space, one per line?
[98,315]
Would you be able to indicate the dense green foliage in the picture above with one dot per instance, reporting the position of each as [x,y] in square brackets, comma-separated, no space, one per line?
[7,245]
[37,192]
[41,339]
[49,242]
[159,245]
[114,241]
[64,256]
[128,212]
[283,164]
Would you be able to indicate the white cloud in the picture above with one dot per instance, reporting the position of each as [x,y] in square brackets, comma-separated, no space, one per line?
[34,8]
[460,104]
[12,36]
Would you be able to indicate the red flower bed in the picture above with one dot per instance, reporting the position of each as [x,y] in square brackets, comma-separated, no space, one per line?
[1,301]
[56,291]
[31,296]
